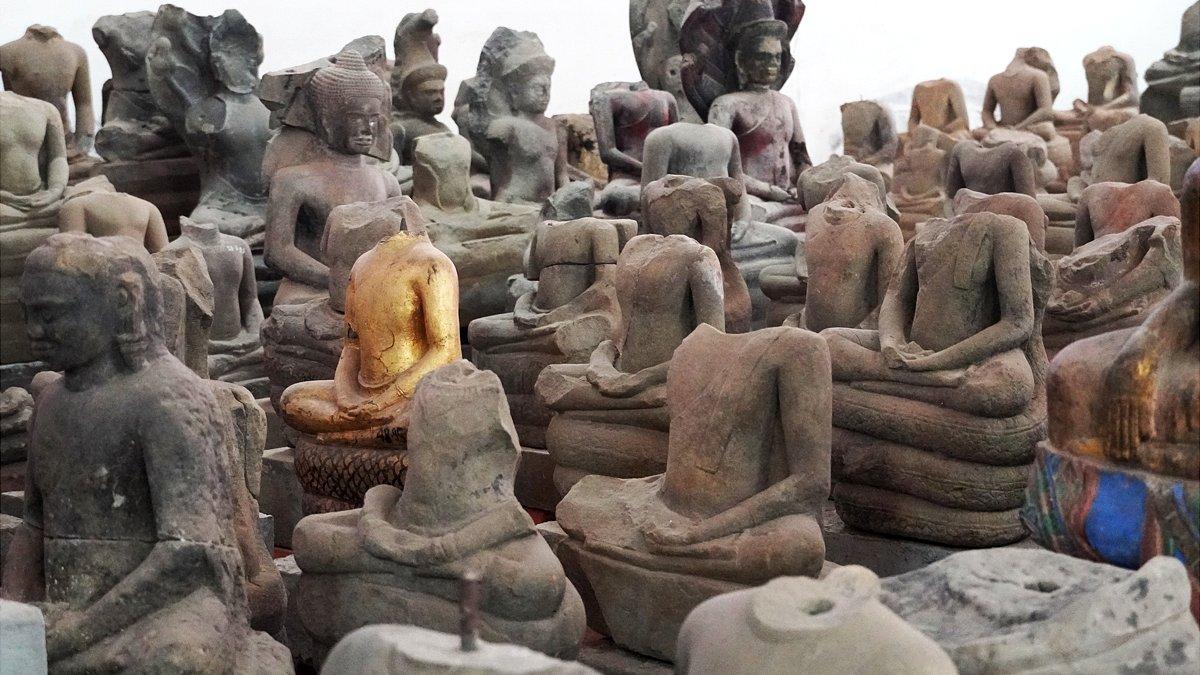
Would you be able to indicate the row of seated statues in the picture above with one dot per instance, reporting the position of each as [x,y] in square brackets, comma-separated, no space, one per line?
[953,336]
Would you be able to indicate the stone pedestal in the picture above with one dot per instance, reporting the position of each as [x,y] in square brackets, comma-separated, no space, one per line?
[280,493]
[335,477]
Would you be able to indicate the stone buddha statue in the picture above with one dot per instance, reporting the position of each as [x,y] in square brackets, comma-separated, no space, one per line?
[42,65]
[868,134]
[703,210]
[133,128]
[710,151]
[137,563]
[610,416]
[1112,94]
[1135,150]
[94,208]
[1024,93]
[401,318]
[348,104]
[1126,259]
[33,180]
[747,473]
[1019,206]
[732,78]
[1117,479]
[919,178]
[937,413]
[851,250]
[571,308]
[1004,168]
[202,73]
[1173,83]
[418,83]
[503,115]
[398,559]
[624,115]
[940,104]
[235,352]
[486,240]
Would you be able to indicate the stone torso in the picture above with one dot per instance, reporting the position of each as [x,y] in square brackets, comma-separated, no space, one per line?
[700,150]
[840,250]
[225,259]
[565,253]
[237,132]
[21,137]
[935,105]
[41,69]
[525,159]
[764,124]
[956,296]
[635,115]
[1014,90]
[1115,207]
[920,172]
[989,171]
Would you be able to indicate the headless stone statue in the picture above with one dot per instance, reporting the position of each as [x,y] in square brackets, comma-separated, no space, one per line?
[747,471]
[202,73]
[666,287]
[1173,83]
[486,240]
[958,348]
[869,135]
[1112,95]
[1116,480]
[42,65]
[801,624]
[1024,93]
[347,103]
[418,83]
[1133,151]
[940,104]
[133,126]
[624,116]
[101,212]
[399,558]
[571,308]
[163,588]
[919,181]
[1005,168]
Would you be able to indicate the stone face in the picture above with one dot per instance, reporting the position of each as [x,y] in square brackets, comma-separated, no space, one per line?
[502,112]
[201,73]
[1172,83]
[396,559]
[42,65]
[1035,611]
[22,638]
[163,527]
[796,624]
[412,649]
[611,416]
[133,129]
[572,308]
[921,449]
[418,83]
[739,503]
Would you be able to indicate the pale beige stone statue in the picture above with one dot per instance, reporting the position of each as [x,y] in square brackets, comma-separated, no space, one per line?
[101,212]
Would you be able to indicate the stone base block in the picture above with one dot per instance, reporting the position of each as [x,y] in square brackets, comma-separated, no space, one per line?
[22,639]
[335,477]
[534,484]
[895,513]
[643,609]
[281,494]
[584,445]
[1094,509]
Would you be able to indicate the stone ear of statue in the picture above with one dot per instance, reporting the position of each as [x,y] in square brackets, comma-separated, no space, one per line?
[133,335]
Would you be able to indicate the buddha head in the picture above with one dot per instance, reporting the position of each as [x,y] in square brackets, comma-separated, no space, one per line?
[419,81]
[526,78]
[86,297]
[349,103]
[759,54]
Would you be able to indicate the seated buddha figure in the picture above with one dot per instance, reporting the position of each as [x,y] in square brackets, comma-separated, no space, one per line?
[33,179]
[1112,94]
[610,413]
[1024,93]
[919,179]
[936,414]
[400,558]
[1135,150]
[1117,480]
[739,503]
[868,134]
[1004,168]
[1019,206]
[1126,260]
[1173,82]
[571,308]
[136,562]
[940,104]
[624,115]
[93,207]
[349,104]
[710,151]
[235,352]
[401,319]
[486,240]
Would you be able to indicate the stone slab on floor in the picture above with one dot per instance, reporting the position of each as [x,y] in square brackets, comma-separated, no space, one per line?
[280,494]
[886,556]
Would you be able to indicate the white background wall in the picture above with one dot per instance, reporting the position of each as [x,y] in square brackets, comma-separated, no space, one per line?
[845,49]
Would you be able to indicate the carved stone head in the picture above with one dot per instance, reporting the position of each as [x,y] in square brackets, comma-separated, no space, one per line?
[349,104]
[86,297]
[759,54]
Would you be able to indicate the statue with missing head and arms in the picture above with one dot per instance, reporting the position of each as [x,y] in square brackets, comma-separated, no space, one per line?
[135,560]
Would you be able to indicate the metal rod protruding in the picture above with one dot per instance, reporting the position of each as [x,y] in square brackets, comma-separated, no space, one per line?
[470,589]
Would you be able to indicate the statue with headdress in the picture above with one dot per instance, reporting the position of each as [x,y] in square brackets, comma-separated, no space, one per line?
[502,111]
[202,73]
[736,58]
[418,83]
[654,29]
